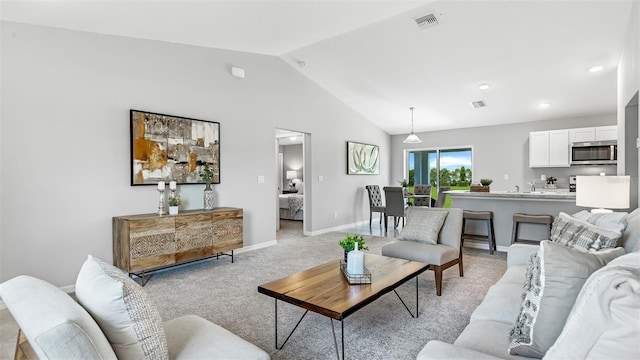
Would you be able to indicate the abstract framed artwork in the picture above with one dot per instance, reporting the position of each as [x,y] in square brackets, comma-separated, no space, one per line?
[167,147]
[363,159]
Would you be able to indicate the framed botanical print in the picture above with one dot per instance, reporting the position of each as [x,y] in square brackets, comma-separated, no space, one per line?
[363,159]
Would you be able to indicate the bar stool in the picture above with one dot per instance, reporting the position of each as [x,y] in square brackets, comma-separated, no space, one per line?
[482,216]
[530,219]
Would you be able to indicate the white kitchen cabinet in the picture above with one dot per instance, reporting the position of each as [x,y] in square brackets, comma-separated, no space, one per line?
[597,133]
[549,148]
[582,134]
[606,133]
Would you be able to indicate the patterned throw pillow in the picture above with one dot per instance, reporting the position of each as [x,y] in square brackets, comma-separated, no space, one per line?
[423,225]
[554,278]
[123,311]
[581,235]
[563,230]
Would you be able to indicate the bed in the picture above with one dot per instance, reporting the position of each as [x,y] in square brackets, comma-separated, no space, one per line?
[291,206]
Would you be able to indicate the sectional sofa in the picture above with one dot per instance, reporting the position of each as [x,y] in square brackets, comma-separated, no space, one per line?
[601,319]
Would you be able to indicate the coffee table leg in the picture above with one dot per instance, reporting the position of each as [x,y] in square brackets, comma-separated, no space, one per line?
[417,302]
[294,328]
[335,342]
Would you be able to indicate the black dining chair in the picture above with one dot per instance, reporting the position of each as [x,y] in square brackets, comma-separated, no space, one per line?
[422,189]
[394,198]
[441,197]
[375,202]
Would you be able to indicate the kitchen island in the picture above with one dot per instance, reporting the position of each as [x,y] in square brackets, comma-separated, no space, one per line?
[506,203]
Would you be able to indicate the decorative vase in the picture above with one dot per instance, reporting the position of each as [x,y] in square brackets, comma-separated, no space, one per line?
[173,210]
[208,197]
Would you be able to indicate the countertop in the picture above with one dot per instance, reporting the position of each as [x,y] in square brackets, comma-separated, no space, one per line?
[544,194]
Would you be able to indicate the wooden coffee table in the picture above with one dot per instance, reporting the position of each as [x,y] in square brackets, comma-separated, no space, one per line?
[324,289]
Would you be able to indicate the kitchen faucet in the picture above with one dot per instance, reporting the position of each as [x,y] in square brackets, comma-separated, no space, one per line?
[532,186]
[517,188]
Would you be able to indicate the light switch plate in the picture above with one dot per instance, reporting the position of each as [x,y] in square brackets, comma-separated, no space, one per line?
[260,179]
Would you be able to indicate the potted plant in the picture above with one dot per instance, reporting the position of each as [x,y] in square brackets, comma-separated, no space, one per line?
[207,176]
[349,241]
[405,185]
[483,187]
[174,205]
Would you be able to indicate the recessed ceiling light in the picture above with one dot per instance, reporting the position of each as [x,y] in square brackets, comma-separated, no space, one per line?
[483,86]
[596,68]
[543,105]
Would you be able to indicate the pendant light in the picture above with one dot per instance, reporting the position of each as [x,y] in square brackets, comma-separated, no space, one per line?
[412,138]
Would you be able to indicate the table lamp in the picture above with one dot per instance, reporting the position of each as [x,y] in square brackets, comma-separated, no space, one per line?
[291,174]
[603,192]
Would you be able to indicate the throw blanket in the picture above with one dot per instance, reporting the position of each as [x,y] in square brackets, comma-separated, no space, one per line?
[295,204]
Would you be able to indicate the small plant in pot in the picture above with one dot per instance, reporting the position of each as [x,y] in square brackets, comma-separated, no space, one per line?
[349,241]
[486,182]
[174,203]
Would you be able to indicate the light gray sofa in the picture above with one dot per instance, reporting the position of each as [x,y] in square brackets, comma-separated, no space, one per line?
[603,323]
[58,327]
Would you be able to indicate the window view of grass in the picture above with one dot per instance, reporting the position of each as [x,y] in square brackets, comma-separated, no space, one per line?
[441,167]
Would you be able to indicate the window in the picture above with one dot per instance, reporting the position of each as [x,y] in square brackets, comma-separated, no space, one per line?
[451,167]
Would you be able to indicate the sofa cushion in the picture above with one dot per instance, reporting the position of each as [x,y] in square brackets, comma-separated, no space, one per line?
[192,337]
[418,251]
[554,279]
[123,310]
[582,235]
[502,303]
[423,225]
[486,336]
[46,315]
[603,323]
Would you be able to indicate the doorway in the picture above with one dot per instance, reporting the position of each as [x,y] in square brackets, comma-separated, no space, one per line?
[292,198]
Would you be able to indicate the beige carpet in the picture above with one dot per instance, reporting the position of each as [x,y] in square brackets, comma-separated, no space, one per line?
[227,294]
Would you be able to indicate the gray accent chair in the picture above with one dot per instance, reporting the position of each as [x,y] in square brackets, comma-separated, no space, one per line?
[441,197]
[422,189]
[375,202]
[445,254]
[394,197]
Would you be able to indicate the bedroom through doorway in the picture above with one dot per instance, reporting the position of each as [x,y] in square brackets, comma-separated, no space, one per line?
[290,192]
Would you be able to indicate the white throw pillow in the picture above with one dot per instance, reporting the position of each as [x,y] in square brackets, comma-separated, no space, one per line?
[613,221]
[603,323]
[123,310]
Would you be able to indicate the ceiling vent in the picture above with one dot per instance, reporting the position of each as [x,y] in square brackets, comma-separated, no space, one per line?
[426,21]
[478,104]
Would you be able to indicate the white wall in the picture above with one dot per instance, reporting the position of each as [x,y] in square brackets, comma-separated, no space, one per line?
[65,149]
[629,82]
[503,149]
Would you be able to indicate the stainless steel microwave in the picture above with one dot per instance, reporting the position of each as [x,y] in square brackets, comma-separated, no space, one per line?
[594,153]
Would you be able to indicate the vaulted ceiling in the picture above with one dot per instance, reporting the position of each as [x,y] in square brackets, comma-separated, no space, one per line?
[374,57]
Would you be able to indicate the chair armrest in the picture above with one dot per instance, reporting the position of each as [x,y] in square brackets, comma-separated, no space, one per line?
[55,325]
[519,254]
[441,350]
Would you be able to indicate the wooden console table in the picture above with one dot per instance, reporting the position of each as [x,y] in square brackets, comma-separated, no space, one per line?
[148,242]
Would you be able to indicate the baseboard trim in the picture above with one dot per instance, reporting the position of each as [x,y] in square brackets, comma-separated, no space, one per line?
[336,228]
[256,247]
[483,246]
